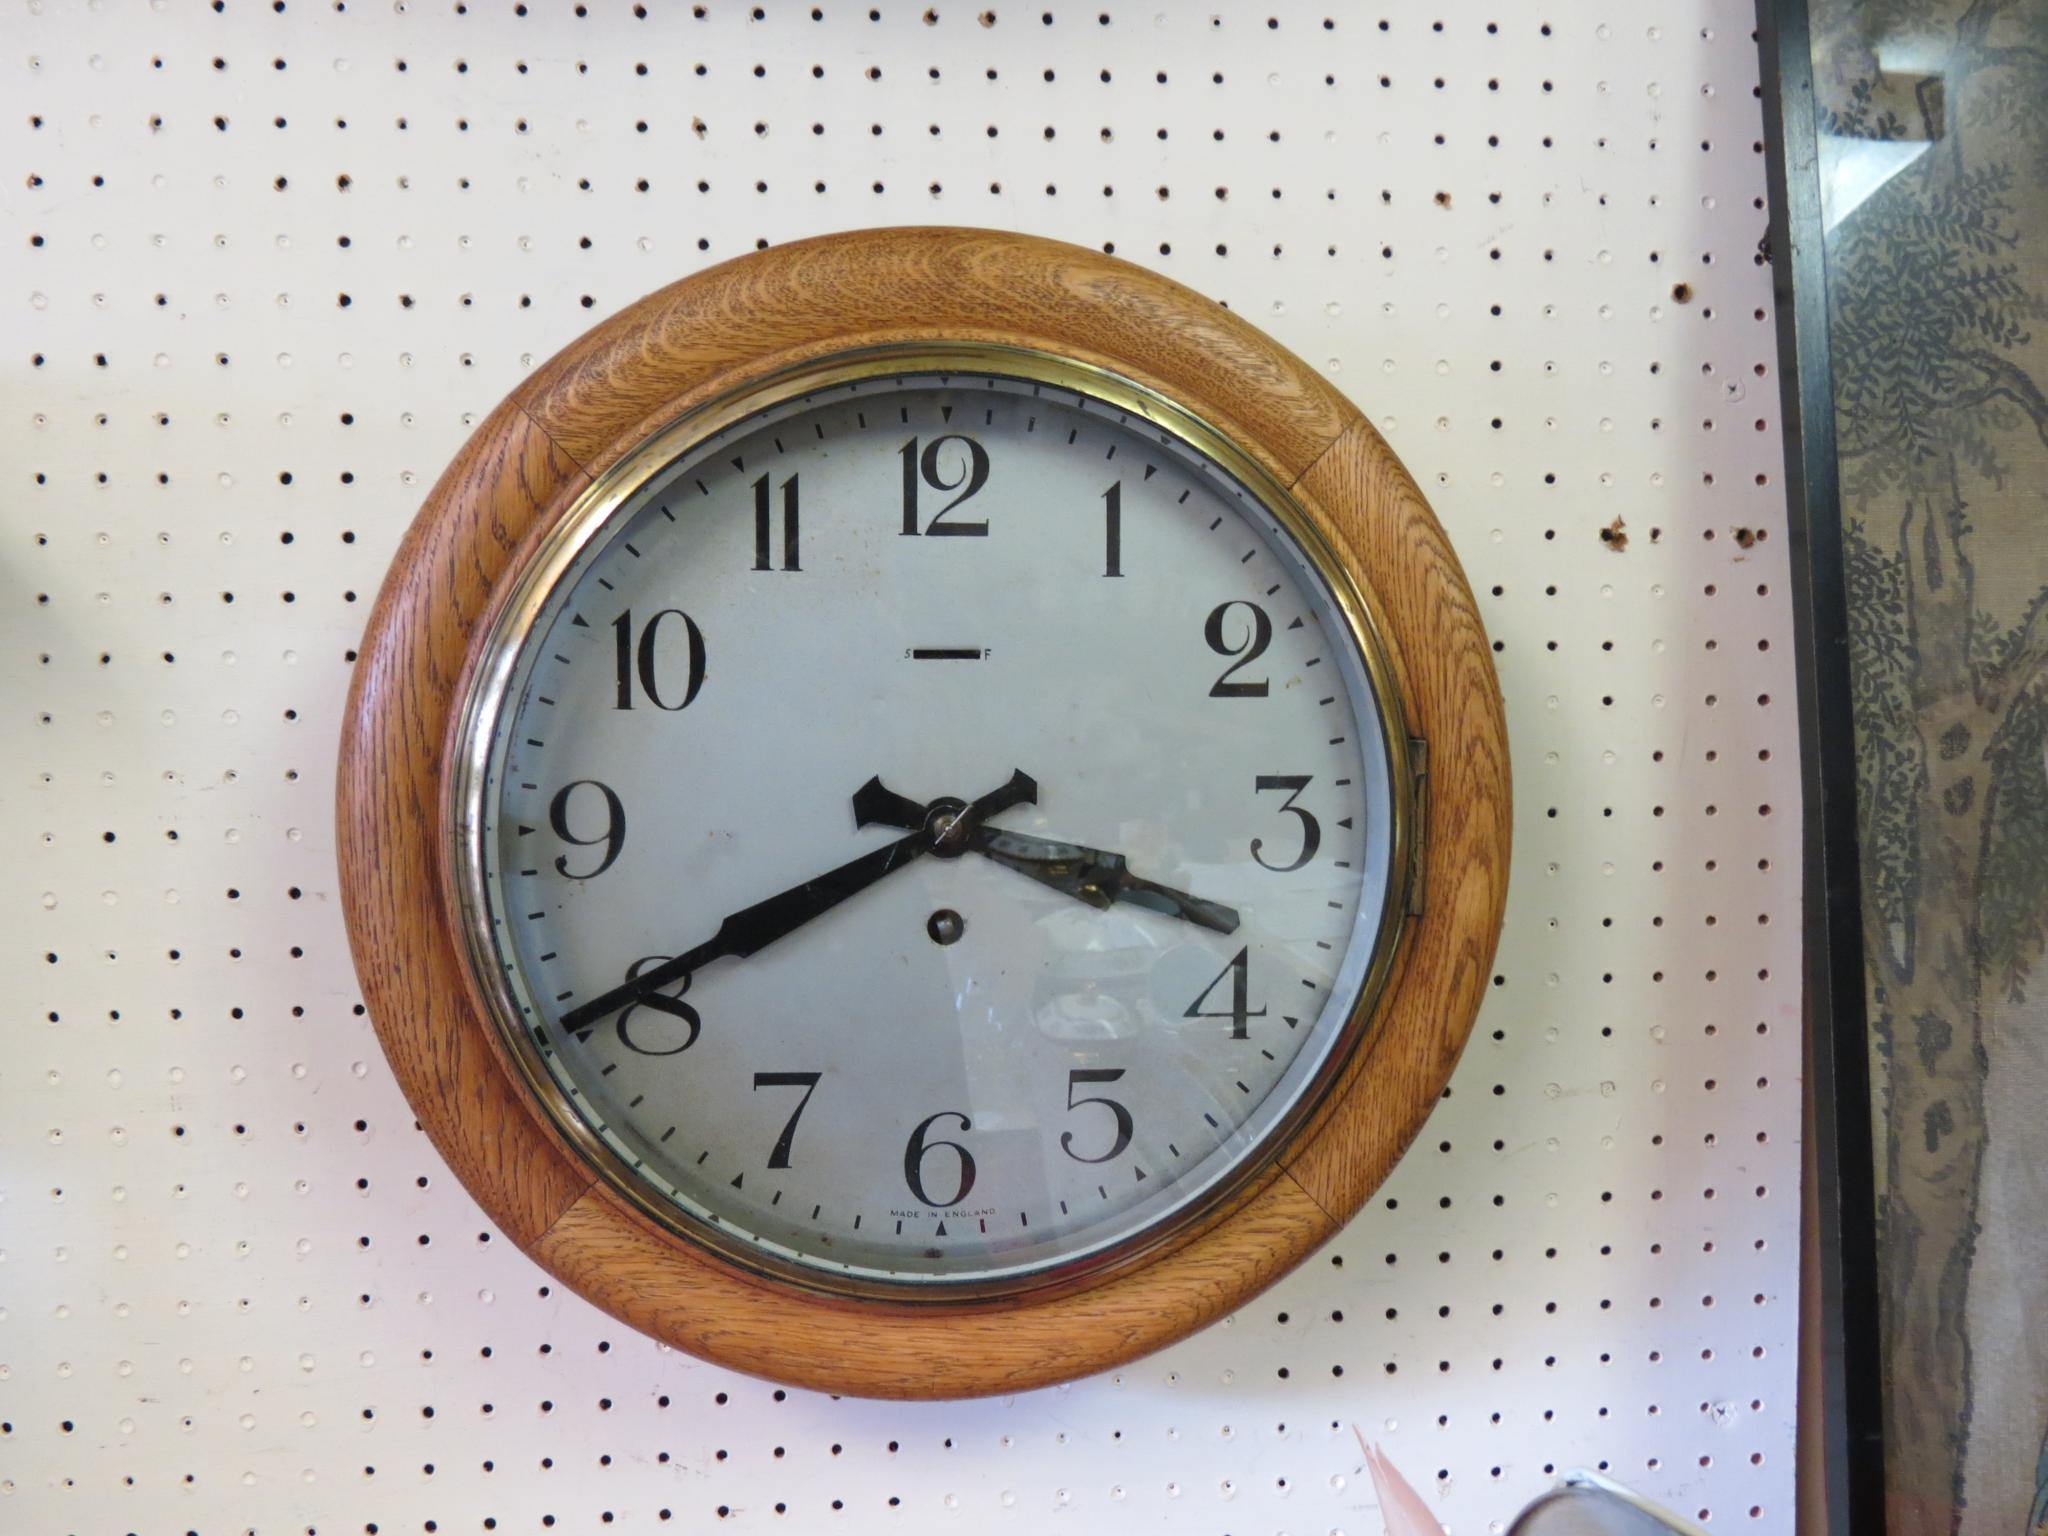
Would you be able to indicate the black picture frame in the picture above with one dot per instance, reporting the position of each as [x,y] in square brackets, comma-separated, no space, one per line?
[1841,1165]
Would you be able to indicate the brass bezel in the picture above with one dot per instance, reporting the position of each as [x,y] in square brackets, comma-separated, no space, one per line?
[492,662]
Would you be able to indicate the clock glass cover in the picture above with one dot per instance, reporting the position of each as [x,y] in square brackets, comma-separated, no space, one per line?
[930,831]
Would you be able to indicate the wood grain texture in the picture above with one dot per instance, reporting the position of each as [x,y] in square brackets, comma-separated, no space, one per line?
[730,328]
[388,791]
[639,369]
[635,1271]
[1452,695]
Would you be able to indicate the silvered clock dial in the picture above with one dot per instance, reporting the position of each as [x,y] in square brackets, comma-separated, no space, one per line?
[928,827]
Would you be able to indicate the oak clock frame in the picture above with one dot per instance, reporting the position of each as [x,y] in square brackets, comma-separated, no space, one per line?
[884,301]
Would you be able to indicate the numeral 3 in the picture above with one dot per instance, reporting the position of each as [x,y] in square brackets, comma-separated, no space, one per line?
[1311,830]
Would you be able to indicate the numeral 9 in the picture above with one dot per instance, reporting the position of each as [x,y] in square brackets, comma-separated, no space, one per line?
[613,837]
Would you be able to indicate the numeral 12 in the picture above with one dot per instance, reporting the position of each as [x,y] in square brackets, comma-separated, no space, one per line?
[926,467]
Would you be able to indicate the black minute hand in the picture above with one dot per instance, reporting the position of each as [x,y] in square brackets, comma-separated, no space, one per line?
[756,927]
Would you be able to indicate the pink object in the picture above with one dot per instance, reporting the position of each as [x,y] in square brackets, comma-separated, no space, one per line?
[1401,1507]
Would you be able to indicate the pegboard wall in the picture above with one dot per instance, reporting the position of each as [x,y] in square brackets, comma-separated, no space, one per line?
[266,263]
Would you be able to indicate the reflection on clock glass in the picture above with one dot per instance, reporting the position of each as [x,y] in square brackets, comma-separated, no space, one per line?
[996,800]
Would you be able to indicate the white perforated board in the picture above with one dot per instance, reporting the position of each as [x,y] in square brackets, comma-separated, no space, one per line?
[241,1294]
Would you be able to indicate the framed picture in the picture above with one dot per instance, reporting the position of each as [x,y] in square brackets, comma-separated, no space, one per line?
[1910,214]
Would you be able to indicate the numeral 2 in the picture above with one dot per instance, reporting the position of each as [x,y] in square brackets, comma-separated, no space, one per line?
[1239,972]
[972,477]
[1257,638]
[645,655]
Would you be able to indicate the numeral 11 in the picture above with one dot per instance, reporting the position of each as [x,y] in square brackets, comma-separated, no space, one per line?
[763,554]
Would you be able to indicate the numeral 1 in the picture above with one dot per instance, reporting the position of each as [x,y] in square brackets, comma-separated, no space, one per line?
[1113,529]
[763,560]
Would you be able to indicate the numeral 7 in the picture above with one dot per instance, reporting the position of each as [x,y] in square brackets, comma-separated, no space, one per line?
[808,1081]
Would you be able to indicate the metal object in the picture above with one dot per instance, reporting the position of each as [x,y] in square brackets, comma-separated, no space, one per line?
[1587,1504]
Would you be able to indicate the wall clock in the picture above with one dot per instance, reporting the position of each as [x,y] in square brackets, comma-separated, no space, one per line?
[923,812]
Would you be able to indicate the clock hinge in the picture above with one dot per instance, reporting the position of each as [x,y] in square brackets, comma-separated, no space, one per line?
[1418,769]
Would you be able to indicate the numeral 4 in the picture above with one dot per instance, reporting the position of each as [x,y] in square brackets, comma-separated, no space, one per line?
[1239,972]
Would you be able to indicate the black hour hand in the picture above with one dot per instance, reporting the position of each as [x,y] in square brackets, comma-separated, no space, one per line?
[1096,877]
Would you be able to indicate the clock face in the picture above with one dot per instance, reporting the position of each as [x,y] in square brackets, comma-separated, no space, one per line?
[936,831]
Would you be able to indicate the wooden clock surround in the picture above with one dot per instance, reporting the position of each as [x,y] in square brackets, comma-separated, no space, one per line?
[701,339]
